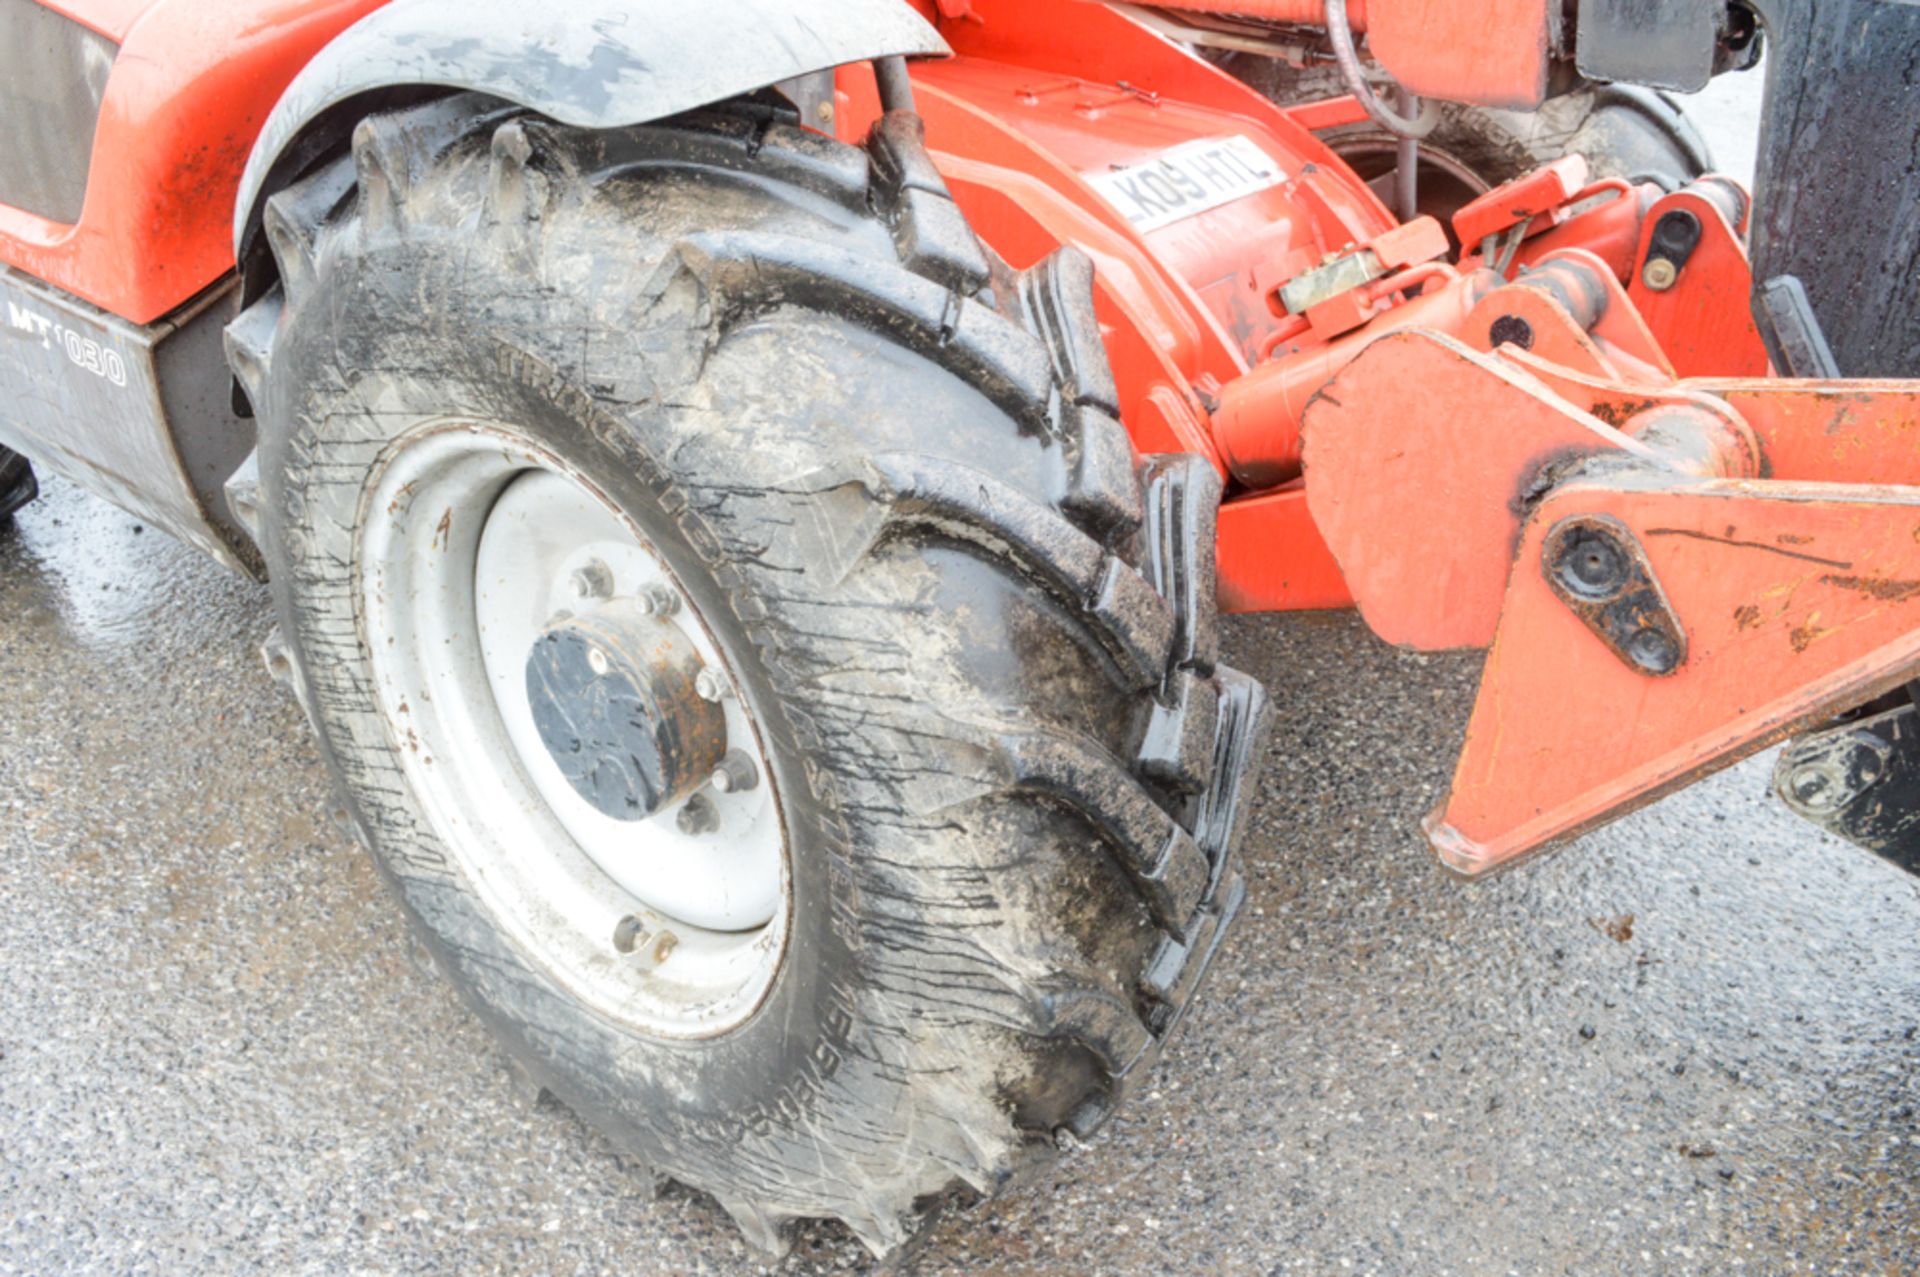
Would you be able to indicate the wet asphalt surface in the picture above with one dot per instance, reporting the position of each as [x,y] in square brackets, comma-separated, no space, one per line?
[1689,1044]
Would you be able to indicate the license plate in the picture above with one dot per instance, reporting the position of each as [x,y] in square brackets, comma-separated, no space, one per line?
[1188,180]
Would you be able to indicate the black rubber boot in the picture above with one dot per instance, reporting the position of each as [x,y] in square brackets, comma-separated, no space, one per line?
[17,484]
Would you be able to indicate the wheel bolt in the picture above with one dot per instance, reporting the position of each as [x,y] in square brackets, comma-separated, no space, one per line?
[697,816]
[735,774]
[710,686]
[591,580]
[659,600]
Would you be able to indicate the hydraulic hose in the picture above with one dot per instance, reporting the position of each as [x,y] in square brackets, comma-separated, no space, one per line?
[1340,29]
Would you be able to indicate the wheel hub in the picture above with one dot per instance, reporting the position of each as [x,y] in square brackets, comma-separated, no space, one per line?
[574,730]
[614,700]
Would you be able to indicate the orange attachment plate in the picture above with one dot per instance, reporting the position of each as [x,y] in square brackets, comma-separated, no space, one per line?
[1797,601]
[1421,457]
[1704,319]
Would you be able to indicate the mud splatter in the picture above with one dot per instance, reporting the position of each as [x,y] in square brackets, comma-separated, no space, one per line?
[1886,588]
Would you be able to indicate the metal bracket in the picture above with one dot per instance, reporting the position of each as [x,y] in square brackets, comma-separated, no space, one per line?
[1859,779]
[1597,568]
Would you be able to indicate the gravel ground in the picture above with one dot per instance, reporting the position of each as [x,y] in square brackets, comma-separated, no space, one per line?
[1686,1045]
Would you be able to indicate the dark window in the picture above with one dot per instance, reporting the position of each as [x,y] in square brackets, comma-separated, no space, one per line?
[53,75]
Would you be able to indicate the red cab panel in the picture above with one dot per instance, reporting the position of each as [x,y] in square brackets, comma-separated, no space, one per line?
[190,89]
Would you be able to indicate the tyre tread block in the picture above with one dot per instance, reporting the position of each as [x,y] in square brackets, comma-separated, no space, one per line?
[1058,298]
[1239,739]
[1103,490]
[1182,730]
[1183,506]
[1164,861]
[929,229]
[754,271]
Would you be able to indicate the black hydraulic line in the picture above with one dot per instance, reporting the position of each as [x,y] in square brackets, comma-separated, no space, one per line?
[1340,31]
[896,87]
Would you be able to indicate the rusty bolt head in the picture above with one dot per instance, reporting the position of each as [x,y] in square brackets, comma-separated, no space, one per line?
[659,600]
[1660,274]
[736,773]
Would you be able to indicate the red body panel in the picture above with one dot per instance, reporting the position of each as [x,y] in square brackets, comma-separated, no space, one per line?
[1490,51]
[1043,93]
[189,92]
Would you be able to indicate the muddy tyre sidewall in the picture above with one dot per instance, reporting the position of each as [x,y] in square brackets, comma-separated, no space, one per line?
[685,1101]
[975,631]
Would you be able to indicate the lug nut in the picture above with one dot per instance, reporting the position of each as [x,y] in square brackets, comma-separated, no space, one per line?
[659,600]
[591,580]
[710,686]
[735,774]
[697,816]
[663,947]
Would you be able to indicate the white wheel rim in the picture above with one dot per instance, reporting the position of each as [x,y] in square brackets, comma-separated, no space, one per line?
[471,543]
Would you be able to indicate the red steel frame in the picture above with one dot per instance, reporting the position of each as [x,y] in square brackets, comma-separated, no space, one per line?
[1442,455]
[1418,444]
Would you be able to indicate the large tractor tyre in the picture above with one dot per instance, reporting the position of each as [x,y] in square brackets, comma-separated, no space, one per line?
[17,484]
[1623,131]
[746,639]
